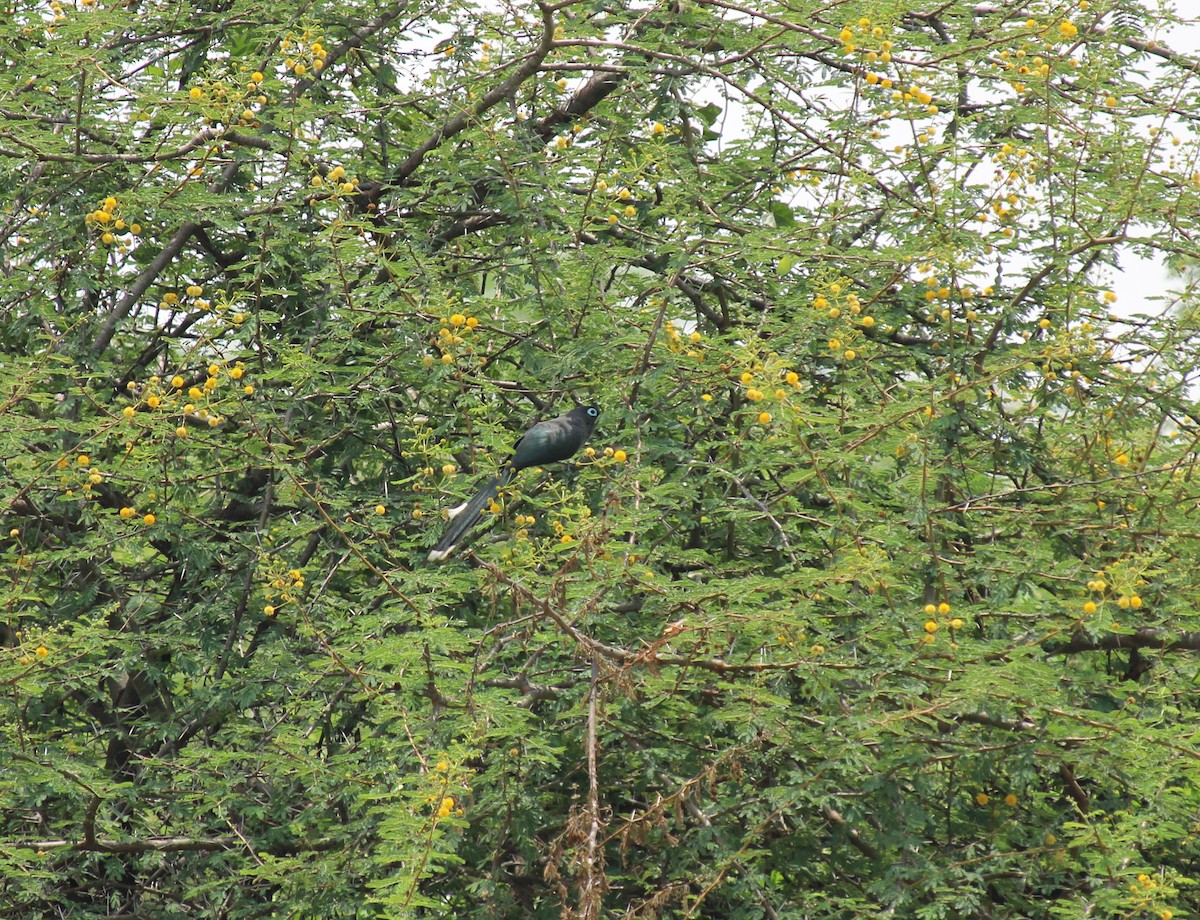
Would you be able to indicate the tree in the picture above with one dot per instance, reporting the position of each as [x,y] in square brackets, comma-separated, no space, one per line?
[874,591]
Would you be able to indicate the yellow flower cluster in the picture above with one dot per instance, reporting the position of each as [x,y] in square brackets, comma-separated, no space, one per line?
[78,477]
[230,97]
[451,336]
[877,48]
[280,586]
[625,206]
[838,302]
[753,394]
[337,181]
[169,395]
[39,652]
[982,799]
[1116,580]
[108,221]
[677,342]
[128,513]
[303,52]
[1143,885]
[931,625]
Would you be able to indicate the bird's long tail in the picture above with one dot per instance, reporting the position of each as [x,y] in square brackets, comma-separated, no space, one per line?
[464,517]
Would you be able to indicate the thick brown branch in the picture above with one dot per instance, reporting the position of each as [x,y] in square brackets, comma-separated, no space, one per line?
[495,95]
[1146,637]
[141,284]
[833,816]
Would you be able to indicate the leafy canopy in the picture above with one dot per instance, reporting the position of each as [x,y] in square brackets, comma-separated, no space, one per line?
[874,593]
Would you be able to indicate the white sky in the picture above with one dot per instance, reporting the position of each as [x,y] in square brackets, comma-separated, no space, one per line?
[1143,285]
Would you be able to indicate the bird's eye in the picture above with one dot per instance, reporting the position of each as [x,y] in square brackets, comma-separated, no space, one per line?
[593,411]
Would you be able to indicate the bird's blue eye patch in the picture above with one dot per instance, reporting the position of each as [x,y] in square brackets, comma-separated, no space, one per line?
[593,411]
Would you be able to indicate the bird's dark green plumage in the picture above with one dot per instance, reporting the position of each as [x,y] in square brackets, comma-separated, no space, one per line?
[546,442]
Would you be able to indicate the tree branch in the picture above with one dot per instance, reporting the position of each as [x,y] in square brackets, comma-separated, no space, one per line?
[1145,637]
[168,845]
[493,96]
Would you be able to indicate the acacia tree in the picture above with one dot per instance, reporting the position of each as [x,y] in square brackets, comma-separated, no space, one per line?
[872,593]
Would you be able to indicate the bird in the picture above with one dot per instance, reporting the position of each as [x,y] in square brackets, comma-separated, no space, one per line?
[546,442]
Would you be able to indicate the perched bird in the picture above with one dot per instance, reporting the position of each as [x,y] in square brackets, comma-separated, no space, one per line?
[546,442]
